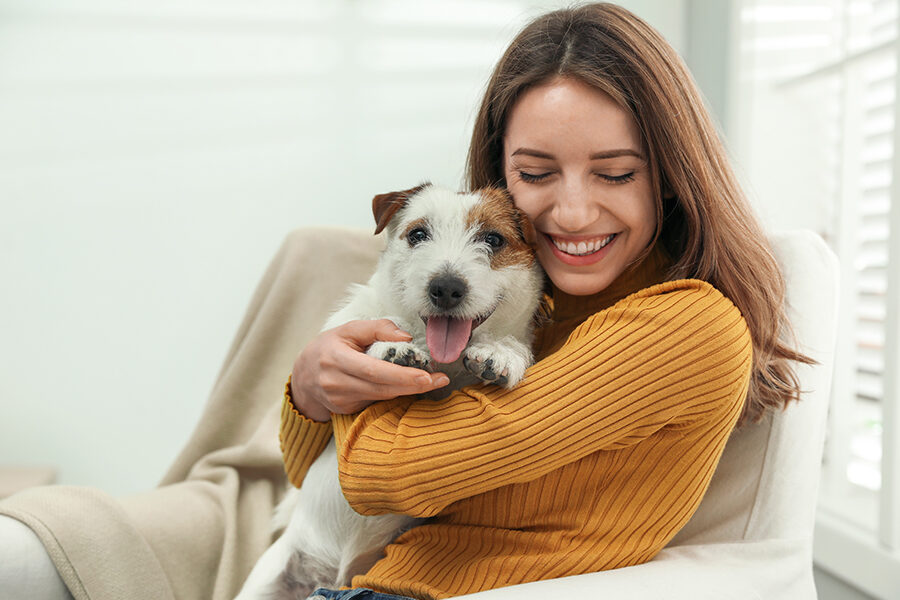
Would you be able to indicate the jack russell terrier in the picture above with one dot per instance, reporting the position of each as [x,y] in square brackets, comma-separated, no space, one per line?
[460,275]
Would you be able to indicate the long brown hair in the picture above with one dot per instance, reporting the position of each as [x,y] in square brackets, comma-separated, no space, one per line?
[706,223]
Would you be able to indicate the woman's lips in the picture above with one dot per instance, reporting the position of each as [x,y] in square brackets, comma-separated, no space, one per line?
[582,259]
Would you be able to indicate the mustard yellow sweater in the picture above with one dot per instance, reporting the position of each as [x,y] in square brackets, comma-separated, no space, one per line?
[593,462]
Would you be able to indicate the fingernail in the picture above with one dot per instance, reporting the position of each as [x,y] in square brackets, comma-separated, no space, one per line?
[441,380]
[402,333]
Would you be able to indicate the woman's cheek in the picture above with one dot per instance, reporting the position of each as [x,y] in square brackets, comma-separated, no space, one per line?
[529,199]
[521,199]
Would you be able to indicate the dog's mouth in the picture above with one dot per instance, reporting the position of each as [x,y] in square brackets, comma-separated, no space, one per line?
[447,336]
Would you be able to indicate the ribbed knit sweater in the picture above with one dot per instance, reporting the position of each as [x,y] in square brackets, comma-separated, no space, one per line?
[593,462]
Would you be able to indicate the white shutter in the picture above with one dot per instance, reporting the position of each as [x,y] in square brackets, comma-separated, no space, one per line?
[845,93]
[871,196]
[839,53]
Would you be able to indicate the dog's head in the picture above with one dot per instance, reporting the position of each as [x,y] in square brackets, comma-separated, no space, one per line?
[456,259]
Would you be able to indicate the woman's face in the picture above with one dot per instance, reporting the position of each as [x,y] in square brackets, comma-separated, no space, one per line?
[574,163]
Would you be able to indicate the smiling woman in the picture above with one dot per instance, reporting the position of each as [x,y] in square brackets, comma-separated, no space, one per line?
[667,307]
[573,161]
[642,100]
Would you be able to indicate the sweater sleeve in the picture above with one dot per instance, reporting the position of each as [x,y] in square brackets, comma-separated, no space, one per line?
[302,439]
[669,355]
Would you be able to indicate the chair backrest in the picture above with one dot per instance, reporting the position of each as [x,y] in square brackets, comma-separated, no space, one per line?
[766,483]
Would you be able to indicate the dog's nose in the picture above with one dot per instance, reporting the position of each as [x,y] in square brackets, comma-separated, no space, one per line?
[446,291]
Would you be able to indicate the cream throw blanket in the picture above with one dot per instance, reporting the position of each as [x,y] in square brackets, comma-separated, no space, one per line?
[199,533]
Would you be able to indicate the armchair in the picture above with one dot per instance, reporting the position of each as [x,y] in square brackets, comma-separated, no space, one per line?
[203,528]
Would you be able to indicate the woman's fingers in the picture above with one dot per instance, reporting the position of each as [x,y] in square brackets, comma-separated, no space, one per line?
[334,373]
[357,394]
[364,333]
[391,380]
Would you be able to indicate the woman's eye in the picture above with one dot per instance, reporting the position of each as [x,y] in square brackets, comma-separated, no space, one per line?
[417,236]
[617,178]
[531,178]
[495,240]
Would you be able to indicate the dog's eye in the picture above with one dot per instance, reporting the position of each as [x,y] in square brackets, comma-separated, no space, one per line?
[417,235]
[495,240]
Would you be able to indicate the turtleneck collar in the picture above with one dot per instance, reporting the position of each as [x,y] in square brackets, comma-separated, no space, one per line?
[649,272]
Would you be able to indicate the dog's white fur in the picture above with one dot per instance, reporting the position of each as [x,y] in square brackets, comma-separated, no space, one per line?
[325,542]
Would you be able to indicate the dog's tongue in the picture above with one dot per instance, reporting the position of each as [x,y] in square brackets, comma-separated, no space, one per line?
[447,337]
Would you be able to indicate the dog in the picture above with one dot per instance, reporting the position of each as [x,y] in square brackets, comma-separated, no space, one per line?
[459,274]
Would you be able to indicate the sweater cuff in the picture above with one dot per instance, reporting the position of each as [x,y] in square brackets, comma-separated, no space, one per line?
[302,439]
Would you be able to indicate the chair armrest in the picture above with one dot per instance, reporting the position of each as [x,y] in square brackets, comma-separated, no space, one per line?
[771,569]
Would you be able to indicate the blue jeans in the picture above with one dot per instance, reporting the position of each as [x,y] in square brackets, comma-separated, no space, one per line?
[355,594]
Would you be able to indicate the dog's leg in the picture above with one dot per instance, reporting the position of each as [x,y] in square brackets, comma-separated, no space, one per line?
[307,554]
[264,582]
[499,361]
[408,354]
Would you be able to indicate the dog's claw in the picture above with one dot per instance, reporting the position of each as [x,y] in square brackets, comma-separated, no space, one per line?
[494,365]
[483,370]
[400,354]
[411,359]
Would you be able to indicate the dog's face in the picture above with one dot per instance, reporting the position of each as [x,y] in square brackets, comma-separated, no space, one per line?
[454,258]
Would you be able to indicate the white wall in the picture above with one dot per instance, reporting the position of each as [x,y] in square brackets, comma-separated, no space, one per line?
[152,157]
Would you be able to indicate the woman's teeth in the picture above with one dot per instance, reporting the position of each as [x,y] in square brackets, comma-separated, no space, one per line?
[582,247]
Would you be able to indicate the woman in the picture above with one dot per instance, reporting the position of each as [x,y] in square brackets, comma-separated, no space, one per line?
[667,305]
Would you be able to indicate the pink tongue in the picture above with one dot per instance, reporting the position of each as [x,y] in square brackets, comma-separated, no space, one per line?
[447,337]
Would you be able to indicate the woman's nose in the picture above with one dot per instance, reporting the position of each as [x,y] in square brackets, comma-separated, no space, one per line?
[575,208]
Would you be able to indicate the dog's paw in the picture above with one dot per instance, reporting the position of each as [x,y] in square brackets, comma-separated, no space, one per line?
[405,354]
[500,363]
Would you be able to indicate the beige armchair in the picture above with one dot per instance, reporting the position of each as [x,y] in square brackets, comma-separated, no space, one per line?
[205,525]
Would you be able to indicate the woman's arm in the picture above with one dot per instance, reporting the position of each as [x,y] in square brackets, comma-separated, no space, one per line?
[333,374]
[669,355]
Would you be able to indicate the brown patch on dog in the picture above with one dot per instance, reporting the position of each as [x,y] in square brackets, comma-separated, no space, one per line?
[423,222]
[497,212]
[384,206]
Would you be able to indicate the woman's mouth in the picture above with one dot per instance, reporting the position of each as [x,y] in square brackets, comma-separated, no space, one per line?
[582,252]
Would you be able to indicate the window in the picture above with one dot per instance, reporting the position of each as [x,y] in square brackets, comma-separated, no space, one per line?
[819,80]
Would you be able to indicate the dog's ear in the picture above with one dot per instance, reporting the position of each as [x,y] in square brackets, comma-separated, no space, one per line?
[385,205]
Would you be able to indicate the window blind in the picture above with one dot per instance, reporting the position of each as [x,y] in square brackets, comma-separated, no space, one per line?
[845,47]
[832,65]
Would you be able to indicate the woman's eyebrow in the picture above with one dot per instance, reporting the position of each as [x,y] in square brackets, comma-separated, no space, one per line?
[594,156]
[616,153]
[531,152]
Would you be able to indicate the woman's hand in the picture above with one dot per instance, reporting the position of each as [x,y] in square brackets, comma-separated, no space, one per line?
[333,374]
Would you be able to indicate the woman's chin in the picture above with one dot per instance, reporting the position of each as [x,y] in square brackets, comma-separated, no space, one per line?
[577,281]
[580,285]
